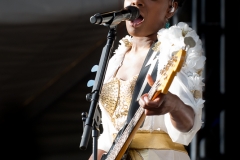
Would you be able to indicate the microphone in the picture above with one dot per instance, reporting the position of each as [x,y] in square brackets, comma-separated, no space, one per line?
[129,13]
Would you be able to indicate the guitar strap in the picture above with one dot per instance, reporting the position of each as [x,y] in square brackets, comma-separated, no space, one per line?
[141,83]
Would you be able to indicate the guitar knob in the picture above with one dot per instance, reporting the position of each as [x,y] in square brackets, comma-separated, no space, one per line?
[94,68]
[90,83]
[89,97]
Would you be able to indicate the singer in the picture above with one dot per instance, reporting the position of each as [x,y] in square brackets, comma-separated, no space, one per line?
[171,118]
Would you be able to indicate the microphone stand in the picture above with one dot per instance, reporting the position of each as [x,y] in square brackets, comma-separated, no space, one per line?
[93,119]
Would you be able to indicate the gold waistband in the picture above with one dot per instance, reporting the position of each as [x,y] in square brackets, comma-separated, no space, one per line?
[155,140]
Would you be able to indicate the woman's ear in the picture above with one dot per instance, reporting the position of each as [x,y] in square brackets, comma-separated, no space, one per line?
[172,9]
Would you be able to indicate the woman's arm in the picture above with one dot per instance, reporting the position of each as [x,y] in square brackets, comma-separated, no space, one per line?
[182,115]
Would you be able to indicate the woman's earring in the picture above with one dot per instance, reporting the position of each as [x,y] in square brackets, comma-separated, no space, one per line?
[167,24]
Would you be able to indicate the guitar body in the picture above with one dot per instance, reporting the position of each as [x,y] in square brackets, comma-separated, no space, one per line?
[125,136]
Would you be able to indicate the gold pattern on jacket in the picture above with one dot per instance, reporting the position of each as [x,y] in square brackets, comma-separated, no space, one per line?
[116,97]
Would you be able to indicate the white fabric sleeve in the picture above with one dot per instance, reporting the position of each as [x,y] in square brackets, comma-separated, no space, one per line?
[179,88]
[106,138]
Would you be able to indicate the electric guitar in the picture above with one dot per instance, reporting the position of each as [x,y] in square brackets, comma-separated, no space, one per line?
[123,140]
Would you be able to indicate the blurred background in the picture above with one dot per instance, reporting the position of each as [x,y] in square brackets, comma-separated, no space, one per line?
[47,51]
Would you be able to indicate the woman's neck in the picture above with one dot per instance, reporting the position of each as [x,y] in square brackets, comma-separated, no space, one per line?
[141,43]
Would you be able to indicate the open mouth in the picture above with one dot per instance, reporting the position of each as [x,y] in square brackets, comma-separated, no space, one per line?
[138,20]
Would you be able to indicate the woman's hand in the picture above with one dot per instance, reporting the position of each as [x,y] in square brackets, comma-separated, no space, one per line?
[162,104]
